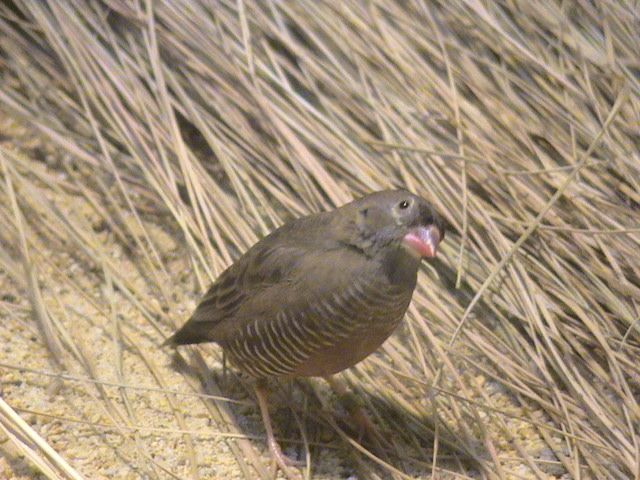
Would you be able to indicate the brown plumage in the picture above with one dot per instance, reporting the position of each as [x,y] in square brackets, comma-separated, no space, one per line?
[320,293]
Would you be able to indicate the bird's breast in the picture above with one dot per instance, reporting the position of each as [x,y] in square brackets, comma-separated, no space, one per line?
[323,336]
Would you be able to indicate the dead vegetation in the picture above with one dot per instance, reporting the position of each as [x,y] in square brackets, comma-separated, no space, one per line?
[145,144]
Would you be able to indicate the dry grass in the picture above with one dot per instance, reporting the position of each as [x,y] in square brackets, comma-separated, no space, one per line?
[170,135]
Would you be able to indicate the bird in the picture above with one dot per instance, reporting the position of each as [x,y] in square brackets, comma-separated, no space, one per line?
[318,294]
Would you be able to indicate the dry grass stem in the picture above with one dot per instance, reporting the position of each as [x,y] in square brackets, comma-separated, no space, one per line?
[145,144]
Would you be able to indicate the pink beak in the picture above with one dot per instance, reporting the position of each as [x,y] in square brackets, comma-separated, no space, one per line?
[423,240]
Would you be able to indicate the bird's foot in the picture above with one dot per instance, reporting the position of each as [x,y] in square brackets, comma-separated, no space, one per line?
[282,461]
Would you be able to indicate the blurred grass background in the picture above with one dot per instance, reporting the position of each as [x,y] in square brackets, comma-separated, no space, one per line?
[145,144]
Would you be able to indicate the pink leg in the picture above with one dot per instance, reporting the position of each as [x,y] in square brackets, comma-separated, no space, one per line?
[281,459]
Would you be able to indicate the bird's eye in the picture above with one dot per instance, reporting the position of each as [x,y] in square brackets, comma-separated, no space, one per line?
[403,204]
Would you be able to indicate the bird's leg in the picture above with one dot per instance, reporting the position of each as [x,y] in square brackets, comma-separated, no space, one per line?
[224,368]
[274,448]
[362,423]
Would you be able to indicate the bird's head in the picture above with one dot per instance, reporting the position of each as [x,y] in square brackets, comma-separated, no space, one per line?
[395,218]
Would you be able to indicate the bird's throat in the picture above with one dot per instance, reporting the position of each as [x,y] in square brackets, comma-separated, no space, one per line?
[401,267]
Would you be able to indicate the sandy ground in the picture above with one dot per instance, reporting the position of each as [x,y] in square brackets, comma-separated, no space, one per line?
[106,431]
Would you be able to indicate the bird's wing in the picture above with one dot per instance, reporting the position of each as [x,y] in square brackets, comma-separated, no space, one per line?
[283,271]
[305,277]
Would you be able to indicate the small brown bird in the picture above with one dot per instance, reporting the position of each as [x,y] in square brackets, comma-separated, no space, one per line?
[318,294]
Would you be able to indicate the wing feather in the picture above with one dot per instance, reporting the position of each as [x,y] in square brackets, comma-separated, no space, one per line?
[289,267]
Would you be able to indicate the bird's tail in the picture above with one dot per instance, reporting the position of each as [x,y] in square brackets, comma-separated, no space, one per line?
[187,335]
